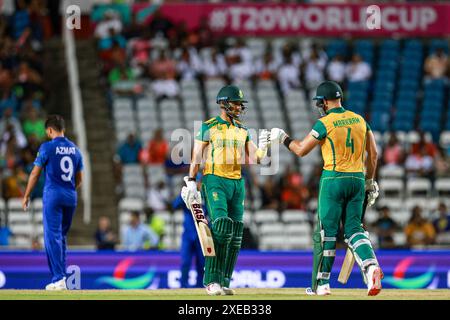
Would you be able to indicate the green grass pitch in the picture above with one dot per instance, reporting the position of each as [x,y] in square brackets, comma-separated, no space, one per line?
[241,294]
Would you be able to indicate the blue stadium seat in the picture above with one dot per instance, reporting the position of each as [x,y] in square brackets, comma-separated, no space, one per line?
[383,96]
[401,125]
[390,44]
[408,84]
[384,86]
[409,105]
[379,121]
[358,85]
[438,43]
[406,95]
[381,106]
[437,84]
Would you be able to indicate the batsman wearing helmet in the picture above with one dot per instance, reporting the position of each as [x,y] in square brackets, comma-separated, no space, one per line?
[344,138]
[225,144]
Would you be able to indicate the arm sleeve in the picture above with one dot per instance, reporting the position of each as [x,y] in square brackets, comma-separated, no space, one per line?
[41,158]
[319,131]
[203,133]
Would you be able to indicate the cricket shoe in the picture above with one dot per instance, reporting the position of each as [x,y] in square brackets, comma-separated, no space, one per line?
[323,290]
[214,289]
[228,291]
[374,276]
[57,286]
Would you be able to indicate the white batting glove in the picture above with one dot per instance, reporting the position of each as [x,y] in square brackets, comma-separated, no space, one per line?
[277,135]
[190,192]
[264,140]
[373,191]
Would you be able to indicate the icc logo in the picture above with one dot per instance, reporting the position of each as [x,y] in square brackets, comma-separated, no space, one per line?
[73,17]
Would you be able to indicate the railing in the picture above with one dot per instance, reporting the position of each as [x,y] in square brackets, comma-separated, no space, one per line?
[78,118]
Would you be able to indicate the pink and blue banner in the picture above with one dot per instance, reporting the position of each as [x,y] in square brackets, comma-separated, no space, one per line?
[322,20]
[277,269]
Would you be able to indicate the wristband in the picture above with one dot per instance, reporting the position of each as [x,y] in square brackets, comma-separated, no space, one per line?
[287,141]
[191,179]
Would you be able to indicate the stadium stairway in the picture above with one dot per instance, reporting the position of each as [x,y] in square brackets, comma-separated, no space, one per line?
[59,103]
[100,145]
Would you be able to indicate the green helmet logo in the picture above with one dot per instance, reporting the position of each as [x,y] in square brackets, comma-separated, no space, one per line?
[230,93]
[328,90]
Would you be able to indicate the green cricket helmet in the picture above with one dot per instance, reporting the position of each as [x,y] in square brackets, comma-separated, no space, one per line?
[228,94]
[327,90]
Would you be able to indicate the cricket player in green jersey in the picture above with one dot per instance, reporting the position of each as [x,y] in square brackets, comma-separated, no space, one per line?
[224,144]
[344,137]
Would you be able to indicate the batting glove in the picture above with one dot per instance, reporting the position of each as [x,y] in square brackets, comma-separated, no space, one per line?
[277,135]
[264,140]
[190,193]
[372,190]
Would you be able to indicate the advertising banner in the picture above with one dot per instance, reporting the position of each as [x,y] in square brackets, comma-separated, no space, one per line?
[275,19]
[153,270]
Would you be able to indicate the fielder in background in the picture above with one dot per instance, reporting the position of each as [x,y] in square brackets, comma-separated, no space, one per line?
[62,162]
[344,137]
[190,245]
[227,145]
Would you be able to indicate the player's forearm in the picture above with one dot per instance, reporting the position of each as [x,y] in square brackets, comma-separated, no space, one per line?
[32,181]
[193,170]
[371,165]
[296,147]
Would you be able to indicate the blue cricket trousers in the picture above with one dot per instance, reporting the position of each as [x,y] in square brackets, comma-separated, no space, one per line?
[57,221]
[190,247]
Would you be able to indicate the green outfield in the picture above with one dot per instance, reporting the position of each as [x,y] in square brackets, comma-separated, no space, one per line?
[242,294]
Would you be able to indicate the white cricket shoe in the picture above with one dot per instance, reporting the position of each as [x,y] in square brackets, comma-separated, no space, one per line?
[57,286]
[323,290]
[374,276]
[228,291]
[214,289]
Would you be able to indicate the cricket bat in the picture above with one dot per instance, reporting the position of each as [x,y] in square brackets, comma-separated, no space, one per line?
[349,260]
[203,231]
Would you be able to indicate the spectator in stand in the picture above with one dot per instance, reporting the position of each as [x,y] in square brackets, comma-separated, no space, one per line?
[129,150]
[105,239]
[158,196]
[239,61]
[157,224]
[110,24]
[189,65]
[120,73]
[442,222]
[436,65]
[157,149]
[14,185]
[9,149]
[288,75]
[336,70]
[163,72]
[419,231]
[269,196]
[10,125]
[28,79]
[160,25]
[138,234]
[266,67]
[357,69]
[419,165]
[393,152]
[215,65]
[20,20]
[430,147]
[442,163]
[140,51]
[295,194]
[385,227]
[314,68]
[33,124]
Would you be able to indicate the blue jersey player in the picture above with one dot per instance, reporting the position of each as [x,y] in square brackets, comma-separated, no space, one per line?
[62,163]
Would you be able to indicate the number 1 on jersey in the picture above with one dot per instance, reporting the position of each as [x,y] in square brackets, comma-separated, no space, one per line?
[349,141]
